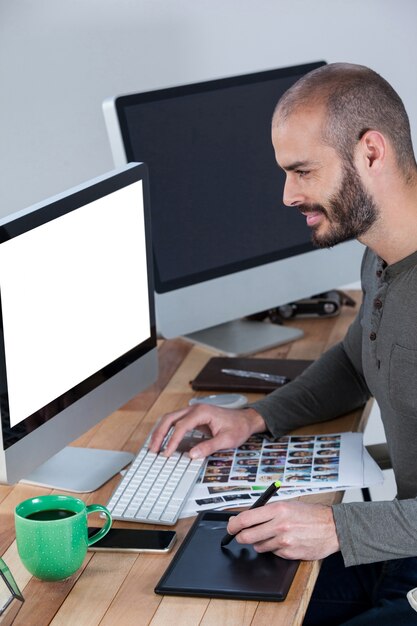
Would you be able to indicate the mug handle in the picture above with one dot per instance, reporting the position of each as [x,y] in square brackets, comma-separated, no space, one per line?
[93,508]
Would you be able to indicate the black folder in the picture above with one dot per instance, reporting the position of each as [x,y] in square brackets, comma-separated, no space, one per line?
[211,376]
[202,568]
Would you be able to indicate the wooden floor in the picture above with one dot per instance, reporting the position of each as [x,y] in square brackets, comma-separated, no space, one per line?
[117,589]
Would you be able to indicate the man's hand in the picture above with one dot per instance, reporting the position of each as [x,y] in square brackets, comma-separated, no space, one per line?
[229,428]
[292,530]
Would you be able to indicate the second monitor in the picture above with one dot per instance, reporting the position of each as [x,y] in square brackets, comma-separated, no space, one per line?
[224,244]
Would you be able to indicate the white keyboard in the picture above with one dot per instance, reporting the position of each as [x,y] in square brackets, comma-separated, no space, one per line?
[155,488]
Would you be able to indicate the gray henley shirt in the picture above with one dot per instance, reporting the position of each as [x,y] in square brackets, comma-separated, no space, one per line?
[378,357]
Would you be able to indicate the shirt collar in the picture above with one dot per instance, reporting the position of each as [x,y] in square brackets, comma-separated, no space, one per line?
[391,271]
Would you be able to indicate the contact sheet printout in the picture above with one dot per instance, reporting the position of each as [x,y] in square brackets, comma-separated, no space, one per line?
[294,460]
[303,463]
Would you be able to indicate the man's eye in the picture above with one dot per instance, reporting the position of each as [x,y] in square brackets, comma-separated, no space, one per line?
[301,173]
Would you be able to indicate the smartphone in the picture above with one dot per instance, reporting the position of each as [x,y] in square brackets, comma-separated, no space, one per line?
[412,598]
[134,540]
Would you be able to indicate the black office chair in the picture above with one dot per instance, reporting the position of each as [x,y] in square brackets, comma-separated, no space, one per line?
[379,452]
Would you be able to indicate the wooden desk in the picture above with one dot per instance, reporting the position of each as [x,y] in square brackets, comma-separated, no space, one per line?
[117,588]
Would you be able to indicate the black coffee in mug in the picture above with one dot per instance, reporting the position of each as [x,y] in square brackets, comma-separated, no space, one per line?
[50,515]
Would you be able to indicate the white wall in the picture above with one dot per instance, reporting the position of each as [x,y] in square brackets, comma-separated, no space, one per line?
[59,60]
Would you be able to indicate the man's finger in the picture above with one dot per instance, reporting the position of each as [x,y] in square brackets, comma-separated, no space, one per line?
[163,428]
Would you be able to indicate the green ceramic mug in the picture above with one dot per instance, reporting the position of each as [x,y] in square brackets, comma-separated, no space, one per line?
[52,534]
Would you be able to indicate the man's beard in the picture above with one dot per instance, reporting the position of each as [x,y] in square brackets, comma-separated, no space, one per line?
[351,212]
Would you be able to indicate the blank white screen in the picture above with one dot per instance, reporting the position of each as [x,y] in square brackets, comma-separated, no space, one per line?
[74,298]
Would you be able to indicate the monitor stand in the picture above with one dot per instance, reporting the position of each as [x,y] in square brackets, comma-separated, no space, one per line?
[80,470]
[244,337]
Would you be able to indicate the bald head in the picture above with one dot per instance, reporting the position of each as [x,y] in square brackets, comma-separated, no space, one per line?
[354,99]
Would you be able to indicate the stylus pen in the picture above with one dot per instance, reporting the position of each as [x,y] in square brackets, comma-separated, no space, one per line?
[263,499]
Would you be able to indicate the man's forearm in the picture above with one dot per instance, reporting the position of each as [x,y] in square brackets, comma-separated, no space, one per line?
[376,531]
[330,387]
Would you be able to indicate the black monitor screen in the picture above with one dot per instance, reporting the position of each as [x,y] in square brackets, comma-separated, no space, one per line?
[215,187]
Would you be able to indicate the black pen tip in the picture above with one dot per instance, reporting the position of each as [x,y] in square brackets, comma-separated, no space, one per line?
[226,540]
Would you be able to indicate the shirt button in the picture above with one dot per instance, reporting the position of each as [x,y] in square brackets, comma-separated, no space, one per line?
[378,303]
[379,273]
[372,336]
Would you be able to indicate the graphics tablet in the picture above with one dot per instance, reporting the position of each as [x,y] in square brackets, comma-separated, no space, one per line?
[202,568]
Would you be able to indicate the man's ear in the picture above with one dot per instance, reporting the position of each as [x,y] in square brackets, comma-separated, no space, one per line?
[371,152]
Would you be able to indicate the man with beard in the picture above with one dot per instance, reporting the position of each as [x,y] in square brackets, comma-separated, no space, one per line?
[342,136]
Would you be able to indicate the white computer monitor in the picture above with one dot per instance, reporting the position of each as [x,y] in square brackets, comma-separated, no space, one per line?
[77,326]
[224,244]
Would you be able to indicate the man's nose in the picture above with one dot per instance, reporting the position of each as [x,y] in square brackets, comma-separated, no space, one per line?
[292,195]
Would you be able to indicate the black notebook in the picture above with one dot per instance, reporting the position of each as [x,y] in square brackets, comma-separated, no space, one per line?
[202,568]
[211,377]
